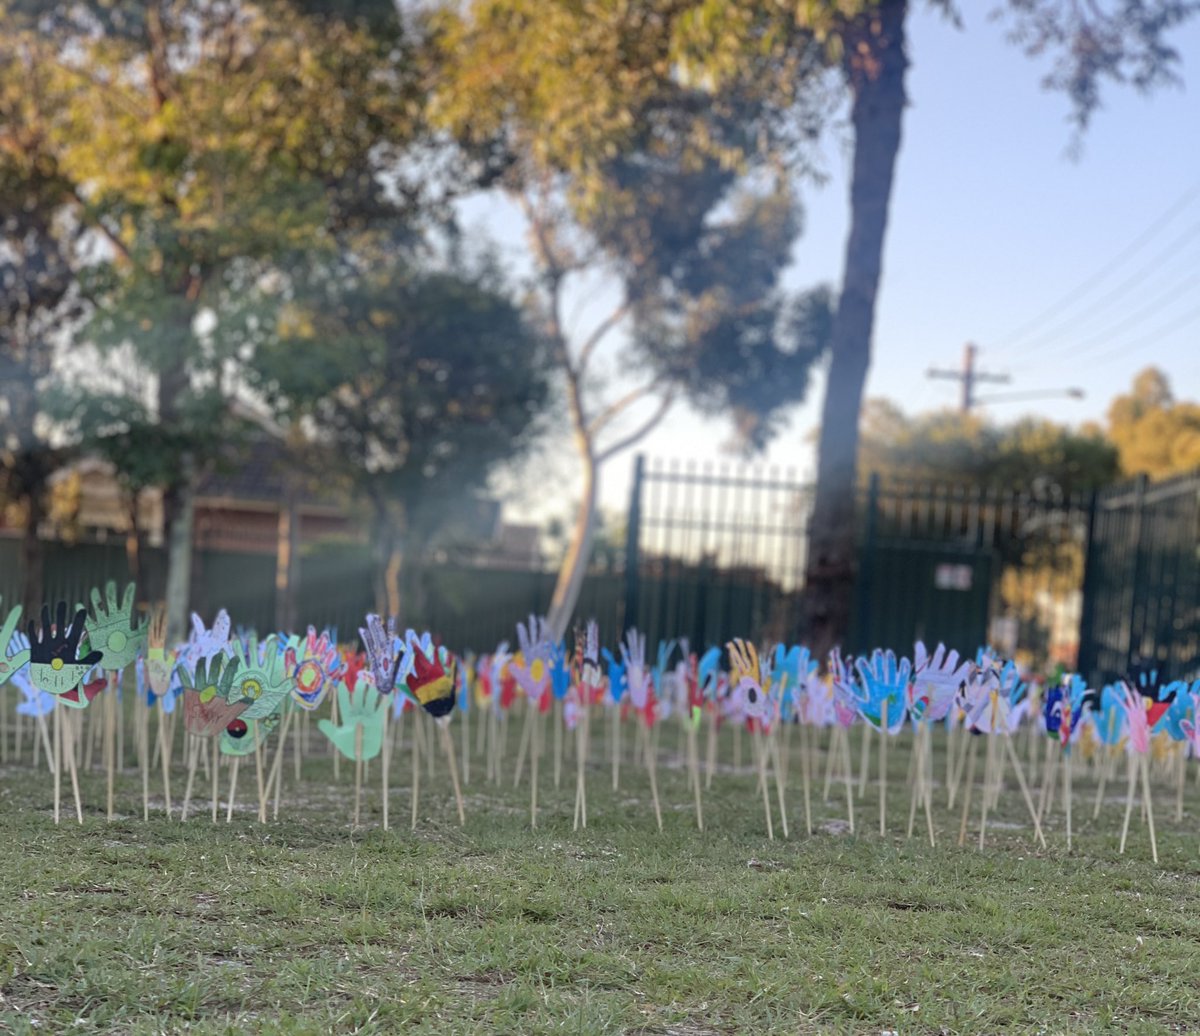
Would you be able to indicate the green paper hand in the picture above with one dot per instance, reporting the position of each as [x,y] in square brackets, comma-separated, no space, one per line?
[9,664]
[242,738]
[264,685]
[112,628]
[365,708]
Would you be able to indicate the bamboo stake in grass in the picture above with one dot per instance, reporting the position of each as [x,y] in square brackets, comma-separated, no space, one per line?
[1146,797]
[166,730]
[756,749]
[652,769]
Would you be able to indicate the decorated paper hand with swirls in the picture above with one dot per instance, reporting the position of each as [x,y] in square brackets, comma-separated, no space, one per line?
[112,628]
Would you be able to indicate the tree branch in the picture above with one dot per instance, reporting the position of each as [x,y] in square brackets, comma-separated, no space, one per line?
[98,224]
[638,433]
[621,405]
[594,339]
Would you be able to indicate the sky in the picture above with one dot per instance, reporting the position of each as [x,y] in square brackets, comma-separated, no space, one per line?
[1067,271]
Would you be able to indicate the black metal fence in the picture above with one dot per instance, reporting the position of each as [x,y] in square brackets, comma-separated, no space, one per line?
[1142,600]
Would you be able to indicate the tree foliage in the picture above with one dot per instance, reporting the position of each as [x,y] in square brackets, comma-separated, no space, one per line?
[1155,434]
[967,450]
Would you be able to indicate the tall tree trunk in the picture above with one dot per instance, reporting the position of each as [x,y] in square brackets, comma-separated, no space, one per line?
[287,559]
[389,559]
[579,550]
[33,557]
[876,66]
[178,514]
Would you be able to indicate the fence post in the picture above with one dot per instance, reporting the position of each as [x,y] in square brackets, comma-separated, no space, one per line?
[1139,506]
[1085,656]
[632,529]
[865,565]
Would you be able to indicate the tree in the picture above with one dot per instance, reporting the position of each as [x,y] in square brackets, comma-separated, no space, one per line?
[1119,41]
[39,297]
[1154,433]
[196,140]
[415,381]
[969,451]
[627,165]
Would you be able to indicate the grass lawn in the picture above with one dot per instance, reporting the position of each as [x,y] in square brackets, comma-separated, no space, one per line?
[305,926]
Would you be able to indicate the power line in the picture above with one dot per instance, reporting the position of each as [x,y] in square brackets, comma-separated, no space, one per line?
[1082,289]
[1151,338]
[1113,296]
[1180,289]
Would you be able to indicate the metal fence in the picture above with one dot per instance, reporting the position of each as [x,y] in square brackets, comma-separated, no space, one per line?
[714,551]
[1142,600]
[718,550]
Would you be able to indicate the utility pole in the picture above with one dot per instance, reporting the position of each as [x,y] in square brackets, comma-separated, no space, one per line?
[969,377]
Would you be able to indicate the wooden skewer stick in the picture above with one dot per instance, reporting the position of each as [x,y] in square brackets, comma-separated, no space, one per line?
[214,775]
[385,764]
[1146,797]
[110,741]
[166,728]
[1024,786]
[756,748]
[652,767]
[448,745]
[275,774]
[416,766]
[883,735]
[233,776]
[69,723]
[358,773]
[57,760]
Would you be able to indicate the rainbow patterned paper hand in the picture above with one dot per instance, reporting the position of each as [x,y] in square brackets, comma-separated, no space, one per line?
[313,675]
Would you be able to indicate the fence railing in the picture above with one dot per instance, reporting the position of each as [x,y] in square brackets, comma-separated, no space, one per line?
[1142,602]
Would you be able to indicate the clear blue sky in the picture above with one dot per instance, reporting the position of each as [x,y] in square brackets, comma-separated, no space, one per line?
[992,224]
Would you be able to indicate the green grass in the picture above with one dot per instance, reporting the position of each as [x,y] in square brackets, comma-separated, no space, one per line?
[306,926]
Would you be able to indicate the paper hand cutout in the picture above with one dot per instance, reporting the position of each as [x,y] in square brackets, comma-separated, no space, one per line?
[321,667]
[431,680]
[384,656]
[937,681]
[263,682]
[633,659]
[112,628]
[240,738]
[587,659]
[210,702]
[616,676]
[745,675]
[206,643]
[560,673]
[160,660]
[13,658]
[54,665]
[884,680]
[363,709]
